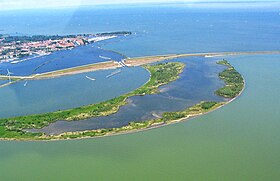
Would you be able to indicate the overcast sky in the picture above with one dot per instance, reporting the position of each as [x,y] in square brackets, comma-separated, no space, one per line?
[31,4]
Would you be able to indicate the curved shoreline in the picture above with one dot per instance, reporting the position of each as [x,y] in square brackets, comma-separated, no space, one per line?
[134,130]
[131,131]
[130,62]
[150,124]
[154,125]
[16,127]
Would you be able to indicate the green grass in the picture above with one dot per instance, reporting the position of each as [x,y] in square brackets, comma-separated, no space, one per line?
[167,118]
[234,84]
[233,80]
[161,74]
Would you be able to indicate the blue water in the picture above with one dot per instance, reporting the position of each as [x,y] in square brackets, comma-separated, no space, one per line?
[3,82]
[66,92]
[161,30]
[197,83]
[238,142]
[62,59]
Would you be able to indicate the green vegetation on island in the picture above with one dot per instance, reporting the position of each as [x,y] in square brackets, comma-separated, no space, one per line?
[167,118]
[233,80]
[234,85]
[161,74]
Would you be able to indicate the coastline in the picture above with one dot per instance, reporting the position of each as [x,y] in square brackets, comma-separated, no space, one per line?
[149,124]
[155,126]
[130,62]
[17,127]
[158,125]
[137,61]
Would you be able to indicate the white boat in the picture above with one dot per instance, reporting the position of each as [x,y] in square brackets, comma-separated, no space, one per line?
[106,58]
[90,78]
[14,62]
[25,84]
[114,73]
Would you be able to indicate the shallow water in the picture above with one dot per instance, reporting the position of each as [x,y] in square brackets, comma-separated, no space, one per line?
[3,82]
[66,92]
[238,142]
[197,83]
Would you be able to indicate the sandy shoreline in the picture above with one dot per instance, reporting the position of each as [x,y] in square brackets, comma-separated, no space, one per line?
[130,62]
[153,126]
[137,61]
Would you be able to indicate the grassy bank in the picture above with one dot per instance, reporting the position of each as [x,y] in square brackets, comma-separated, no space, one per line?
[161,74]
[167,118]
[234,84]
[233,80]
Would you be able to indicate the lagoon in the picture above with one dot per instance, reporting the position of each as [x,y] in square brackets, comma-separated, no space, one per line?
[238,142]
[197,83]
[238,139]
[39,96]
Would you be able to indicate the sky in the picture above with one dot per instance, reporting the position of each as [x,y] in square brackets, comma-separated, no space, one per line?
[33,4]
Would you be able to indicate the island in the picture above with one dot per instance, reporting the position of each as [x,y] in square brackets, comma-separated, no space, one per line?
[16,128]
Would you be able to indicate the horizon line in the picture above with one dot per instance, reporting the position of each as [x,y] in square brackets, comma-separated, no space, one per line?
[111,4]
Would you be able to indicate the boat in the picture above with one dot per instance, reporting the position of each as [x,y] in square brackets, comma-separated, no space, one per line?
[25,84]
[15,62]
[90,78]
[114,73]
[106,58]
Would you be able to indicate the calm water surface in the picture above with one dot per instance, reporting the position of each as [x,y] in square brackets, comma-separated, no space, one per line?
[77,56]
[238,142]
[197,83]
[241,139]
[161,29]
[66,92]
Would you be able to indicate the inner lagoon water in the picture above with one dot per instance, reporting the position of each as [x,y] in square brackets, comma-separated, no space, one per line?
[197,83]
[39,96]
[238,142]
